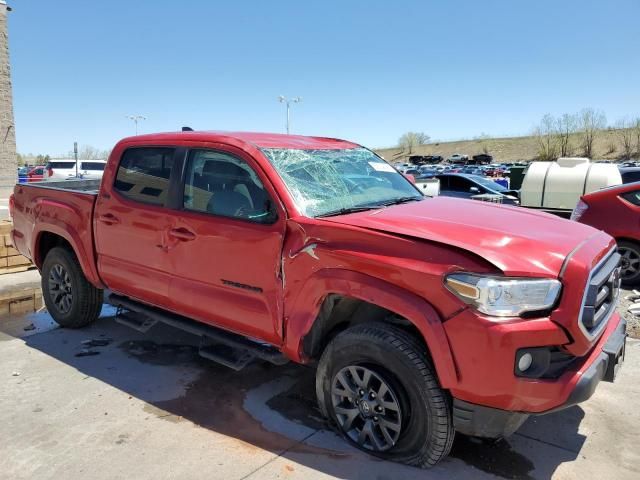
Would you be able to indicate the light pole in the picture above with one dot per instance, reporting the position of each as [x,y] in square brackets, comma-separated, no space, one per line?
[136,119]
[289,101]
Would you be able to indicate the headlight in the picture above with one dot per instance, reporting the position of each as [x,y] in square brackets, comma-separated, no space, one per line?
[504,296]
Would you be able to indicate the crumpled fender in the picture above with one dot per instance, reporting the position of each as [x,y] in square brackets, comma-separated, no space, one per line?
[300,318]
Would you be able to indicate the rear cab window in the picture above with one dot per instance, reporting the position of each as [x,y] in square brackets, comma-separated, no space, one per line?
[143,174]
[99,166]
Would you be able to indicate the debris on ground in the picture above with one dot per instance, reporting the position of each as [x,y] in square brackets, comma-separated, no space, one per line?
[15,374]
[29,327]
[87,353]
[629,308]
[97,342]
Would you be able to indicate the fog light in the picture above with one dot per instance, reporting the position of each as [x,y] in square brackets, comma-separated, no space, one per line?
[525,362]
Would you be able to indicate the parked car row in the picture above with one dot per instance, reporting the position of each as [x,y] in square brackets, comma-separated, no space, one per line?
[62,169]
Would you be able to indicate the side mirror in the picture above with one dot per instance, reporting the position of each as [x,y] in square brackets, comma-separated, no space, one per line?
[474,190]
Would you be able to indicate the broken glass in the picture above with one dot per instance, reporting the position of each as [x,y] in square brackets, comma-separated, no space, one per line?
[322,181]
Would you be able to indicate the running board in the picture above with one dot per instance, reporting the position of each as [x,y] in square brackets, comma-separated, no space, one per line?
[240,345]
[137,321]
[229,357]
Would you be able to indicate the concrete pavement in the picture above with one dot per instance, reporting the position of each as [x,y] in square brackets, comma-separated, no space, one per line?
[146,406]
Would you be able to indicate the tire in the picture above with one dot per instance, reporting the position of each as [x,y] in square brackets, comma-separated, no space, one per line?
[70,299]
[398,360]
[630,263]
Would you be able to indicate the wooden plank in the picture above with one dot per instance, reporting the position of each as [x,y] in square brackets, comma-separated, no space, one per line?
[21,306]
[22,268]
[17,260]
[6,240]
[5,227]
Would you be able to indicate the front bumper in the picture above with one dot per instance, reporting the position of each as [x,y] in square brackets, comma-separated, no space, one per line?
[482,421]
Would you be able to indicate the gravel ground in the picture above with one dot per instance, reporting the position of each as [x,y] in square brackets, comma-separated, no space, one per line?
[633,321]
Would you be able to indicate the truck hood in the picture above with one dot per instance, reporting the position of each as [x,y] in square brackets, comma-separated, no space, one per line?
[516,240]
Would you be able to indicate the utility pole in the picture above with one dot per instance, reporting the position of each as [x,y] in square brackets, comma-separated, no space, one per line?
[136,119]
[289,101]
[75,155]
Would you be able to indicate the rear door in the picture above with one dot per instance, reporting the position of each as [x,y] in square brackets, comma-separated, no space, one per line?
[225,243]
[131,223]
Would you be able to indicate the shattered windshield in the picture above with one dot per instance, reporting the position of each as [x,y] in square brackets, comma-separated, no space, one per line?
[326,181]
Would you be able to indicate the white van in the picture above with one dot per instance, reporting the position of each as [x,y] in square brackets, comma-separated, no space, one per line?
[557,186]
[65,169]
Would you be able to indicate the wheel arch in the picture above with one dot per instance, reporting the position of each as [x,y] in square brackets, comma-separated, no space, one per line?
[52,236]
[342,298]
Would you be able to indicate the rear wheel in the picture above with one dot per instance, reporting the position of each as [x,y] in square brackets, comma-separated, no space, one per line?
[629,263]
[70,299]
[376,384]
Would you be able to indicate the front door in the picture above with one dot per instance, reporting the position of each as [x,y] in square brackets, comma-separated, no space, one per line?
[225,245]
[130,223]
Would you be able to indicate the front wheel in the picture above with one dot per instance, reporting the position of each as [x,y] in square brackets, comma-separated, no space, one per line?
[70,299]
[629,263]
[375,383]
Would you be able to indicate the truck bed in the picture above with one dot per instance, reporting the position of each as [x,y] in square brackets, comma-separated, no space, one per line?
[86,186]
[63,208]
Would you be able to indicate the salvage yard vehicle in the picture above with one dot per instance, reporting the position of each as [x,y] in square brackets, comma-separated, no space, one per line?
[424,316]
[616,211]
[65,169]
[461,185]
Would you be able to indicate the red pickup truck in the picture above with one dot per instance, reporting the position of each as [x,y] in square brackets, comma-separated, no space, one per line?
[424,316]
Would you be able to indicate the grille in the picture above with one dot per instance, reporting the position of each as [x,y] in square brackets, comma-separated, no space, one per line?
[601,295]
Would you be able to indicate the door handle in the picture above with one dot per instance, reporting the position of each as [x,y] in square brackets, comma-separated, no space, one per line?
[182,234]
[108,219]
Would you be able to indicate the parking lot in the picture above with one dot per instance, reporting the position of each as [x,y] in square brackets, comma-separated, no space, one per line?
[108,402]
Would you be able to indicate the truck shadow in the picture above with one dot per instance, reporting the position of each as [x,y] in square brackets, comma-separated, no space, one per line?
[274,408]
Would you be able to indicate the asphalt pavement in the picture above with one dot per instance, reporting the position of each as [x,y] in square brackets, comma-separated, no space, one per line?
[109,402]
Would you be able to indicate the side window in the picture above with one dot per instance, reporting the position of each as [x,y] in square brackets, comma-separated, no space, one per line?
[143,174]
[222,184]
[632,197]
[459,184]
[630,177]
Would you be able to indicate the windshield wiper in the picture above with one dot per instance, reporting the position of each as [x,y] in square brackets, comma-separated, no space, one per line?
[345,210]
[397,201]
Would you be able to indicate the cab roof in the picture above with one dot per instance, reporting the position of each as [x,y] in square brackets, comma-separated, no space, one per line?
[261,140]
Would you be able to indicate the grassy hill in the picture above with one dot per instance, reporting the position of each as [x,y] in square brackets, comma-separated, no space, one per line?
[508,149]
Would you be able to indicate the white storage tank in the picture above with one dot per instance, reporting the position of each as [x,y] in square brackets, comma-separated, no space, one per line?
[559,185]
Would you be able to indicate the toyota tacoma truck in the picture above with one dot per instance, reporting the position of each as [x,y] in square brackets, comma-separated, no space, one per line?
[423,316]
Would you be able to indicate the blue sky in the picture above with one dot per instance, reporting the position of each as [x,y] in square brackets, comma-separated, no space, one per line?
[368,70]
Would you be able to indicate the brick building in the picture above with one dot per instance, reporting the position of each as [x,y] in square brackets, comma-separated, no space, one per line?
[7,128]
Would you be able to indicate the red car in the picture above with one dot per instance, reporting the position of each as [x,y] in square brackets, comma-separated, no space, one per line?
[616,210]
[424,316]
[36,174]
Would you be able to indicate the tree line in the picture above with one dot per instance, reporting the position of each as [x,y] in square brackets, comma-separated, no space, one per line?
[85,152]
[575,134]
